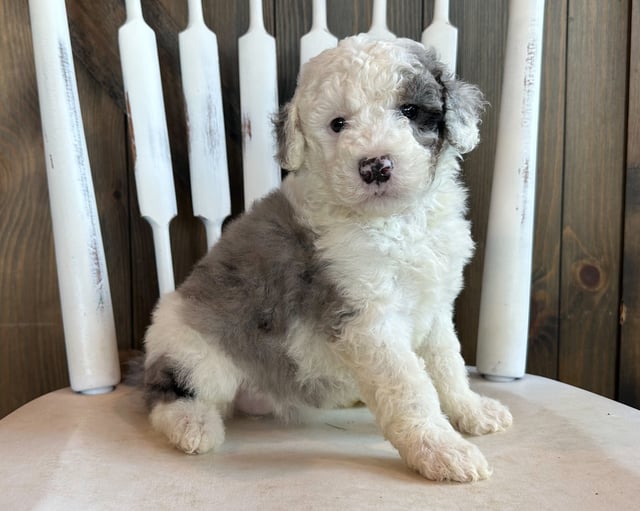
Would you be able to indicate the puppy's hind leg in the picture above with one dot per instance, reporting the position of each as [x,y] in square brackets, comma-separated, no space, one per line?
[190,425]
[191,422]
[189,382]
[469,412]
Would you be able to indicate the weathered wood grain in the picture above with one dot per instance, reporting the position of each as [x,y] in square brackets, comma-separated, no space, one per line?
[545,304]
[32,361]
[293,20]
[31,338]
[593,186]
[405,19]
[348,18]
[629,379]
[94,34]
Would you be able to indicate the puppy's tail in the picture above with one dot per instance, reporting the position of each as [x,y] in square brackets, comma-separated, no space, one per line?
[133,369]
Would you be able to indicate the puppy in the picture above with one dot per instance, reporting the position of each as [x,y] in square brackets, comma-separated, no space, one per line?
[340,285]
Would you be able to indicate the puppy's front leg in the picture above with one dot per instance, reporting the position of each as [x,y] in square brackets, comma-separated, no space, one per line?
[395,386]
[469,412]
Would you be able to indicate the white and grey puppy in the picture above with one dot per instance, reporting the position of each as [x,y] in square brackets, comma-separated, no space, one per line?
[341,284]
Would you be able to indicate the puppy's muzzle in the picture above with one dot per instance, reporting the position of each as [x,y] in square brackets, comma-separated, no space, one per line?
[376,169]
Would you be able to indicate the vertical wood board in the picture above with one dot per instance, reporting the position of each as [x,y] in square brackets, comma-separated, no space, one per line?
[629,362]
[32,350]
[593,184]
[544,314]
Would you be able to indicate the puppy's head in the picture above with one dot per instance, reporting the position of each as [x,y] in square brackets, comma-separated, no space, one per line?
[372,121]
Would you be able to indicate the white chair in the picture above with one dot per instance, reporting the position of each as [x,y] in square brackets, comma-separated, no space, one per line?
[568,448]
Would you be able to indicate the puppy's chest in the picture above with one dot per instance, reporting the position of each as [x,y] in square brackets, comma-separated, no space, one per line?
[406,261]
[415,260]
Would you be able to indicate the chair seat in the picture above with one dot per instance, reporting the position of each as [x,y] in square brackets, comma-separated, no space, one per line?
[568,449]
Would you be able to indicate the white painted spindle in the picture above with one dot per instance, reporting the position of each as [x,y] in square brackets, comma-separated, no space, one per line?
[504,307]
[207,145]
[442,35]
[318,38]
[148,134]
[258,104]
[87,314]
[379,27]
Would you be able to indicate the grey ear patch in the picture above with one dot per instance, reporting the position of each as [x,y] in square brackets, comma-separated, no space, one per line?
[464,104]
[289,137]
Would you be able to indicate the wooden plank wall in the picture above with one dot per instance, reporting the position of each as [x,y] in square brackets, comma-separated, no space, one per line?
[629,357]
[587,252]
[593,184]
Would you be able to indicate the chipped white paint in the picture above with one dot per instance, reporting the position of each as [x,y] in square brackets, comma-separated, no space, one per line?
[442,35]
[87,314]
[207,145]
[318,38]
[258,104]
[505,300]
[379,27]
[148,134]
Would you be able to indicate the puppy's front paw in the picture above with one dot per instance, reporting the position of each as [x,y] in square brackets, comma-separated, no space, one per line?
[449,459]
[189,425]
[480,415]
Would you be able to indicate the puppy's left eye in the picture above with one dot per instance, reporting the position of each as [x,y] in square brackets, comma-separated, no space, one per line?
[338,124]
[409,111]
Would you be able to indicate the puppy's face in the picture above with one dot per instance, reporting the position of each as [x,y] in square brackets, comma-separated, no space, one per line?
[372,119]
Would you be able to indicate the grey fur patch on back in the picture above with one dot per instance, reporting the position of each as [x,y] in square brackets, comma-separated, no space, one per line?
[262,276]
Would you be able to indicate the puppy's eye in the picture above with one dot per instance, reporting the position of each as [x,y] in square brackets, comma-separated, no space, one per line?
[423,118]
[338,124]
[409,111]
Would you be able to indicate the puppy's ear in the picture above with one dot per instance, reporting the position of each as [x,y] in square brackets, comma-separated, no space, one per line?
[463,104]
[289,137]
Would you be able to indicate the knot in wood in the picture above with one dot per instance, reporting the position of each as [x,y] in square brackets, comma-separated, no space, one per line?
[590,276]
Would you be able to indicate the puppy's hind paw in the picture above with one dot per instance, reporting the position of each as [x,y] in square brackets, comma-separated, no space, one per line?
[189,425]
[480,416]
[458,461]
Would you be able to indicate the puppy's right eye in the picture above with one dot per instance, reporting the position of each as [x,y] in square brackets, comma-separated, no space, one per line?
[338,124]
[410,111]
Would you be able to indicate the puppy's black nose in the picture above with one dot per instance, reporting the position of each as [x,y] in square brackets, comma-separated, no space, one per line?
[376,169]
